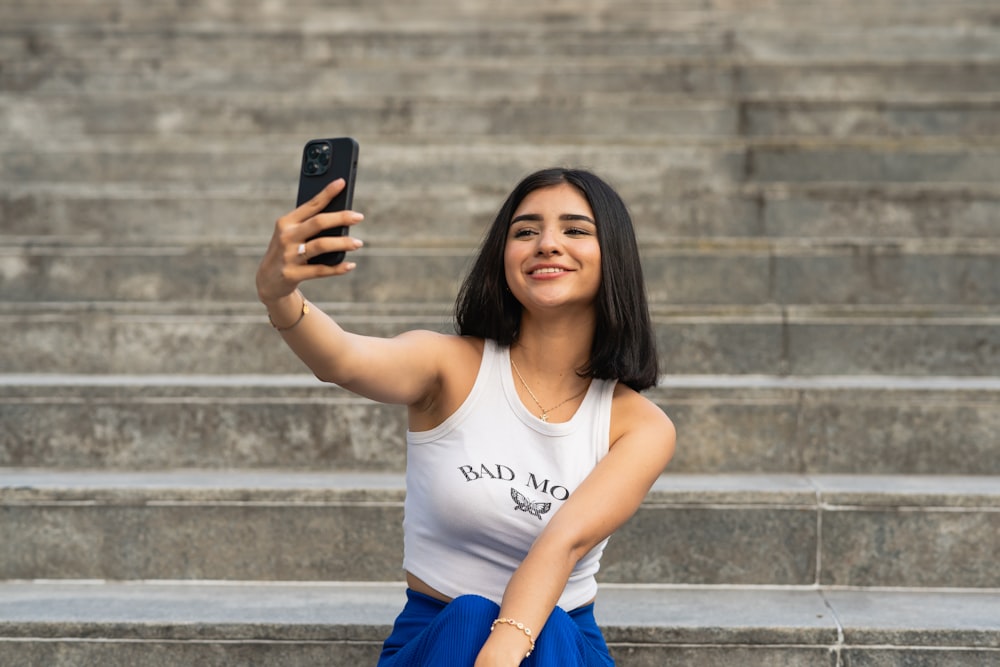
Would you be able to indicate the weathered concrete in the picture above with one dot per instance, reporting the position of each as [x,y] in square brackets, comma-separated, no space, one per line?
[712,529]
[131,338]
[727,424]
[45,213]
[679,272]
[340,624]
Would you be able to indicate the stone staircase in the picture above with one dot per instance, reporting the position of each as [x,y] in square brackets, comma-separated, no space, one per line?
[815,185]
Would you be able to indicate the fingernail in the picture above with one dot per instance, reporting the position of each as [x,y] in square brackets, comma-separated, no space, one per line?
[357,216]
[358,243]
[350,266]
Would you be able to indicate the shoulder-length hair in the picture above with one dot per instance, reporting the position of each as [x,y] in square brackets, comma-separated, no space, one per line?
[624,346]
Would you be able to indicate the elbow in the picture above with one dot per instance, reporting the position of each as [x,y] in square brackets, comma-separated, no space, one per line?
[577,553]
[323,376]
[573,546]
[329,376]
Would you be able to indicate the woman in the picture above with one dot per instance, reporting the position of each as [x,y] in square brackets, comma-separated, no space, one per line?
[528,442]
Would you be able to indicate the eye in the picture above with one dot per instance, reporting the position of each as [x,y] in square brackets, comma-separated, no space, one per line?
[522,232]
[580,230]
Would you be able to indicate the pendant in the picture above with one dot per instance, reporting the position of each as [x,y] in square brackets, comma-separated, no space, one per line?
[544,417]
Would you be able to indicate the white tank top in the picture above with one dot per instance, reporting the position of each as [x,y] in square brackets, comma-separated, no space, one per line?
[482,485]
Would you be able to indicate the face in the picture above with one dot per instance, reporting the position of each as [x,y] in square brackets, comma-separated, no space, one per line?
[552,256]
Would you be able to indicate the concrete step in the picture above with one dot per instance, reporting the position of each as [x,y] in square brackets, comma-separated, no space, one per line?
[340,624]
[230,162]
[728,424]
[39,213]
[71,117]
[568,14]
[528,76]
[53,120]
[217,337]
[741,272]
[402,41]
[785,530]
[226,162]
[875,164]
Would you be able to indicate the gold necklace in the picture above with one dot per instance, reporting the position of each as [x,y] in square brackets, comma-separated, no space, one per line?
[545,413]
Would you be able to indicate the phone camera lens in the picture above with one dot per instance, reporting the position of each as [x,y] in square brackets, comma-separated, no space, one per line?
[317,159]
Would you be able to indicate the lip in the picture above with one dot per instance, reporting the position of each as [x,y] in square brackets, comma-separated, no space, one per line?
[543,271]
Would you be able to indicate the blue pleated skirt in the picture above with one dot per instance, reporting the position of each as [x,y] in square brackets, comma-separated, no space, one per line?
[431,633]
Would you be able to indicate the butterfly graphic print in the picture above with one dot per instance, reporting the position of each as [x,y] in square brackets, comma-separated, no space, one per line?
[525,505]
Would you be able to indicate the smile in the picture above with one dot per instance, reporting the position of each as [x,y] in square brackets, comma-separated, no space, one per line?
[537,272]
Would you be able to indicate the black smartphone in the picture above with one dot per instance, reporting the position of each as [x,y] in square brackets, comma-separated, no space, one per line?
[324,161]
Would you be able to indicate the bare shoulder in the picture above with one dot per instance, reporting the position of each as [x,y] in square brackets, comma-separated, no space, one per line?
[634,416]
[450,358]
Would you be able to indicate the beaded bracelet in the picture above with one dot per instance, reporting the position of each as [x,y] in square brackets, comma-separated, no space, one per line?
[303,313]
[520,626]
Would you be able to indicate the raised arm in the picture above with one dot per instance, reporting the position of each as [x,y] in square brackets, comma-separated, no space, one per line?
[643,441]
[402,370]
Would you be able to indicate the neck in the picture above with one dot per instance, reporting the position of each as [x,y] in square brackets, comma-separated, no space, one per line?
[555,348]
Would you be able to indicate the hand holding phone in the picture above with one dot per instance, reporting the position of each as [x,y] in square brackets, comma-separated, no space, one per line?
[324,161]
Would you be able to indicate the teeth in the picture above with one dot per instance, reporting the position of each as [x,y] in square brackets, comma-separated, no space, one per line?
[537,271]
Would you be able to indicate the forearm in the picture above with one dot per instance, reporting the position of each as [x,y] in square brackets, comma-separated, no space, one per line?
[531,595]
[311,334]
[399,370]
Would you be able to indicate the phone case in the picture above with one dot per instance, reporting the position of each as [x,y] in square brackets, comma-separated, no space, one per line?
[324,161]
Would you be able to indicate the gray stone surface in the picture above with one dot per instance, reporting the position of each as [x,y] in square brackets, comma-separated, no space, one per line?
[313,610]
[876,163]
[853,119]
[508,40]
[183,338]
[854,530]
[199,540]
[230,162]
[932,210]
[683,13]
[919,657]
[902,533]
[63,652]
[625,117]
[727,424]
[917,618]
[48,211]
[299,624]
[706,545]
[899,547]
[677,273]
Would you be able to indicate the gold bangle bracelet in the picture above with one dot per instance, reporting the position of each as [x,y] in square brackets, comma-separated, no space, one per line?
[520,626]
[303,313]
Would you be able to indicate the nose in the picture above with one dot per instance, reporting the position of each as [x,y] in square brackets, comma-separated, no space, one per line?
[548,243]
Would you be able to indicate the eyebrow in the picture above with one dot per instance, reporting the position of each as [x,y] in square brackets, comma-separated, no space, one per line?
[535,217]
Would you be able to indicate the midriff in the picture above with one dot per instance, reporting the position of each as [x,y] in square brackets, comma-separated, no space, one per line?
[420,586]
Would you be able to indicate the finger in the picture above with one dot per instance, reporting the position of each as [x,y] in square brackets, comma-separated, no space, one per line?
[338,269]
[326,244]
[313,271]
[318,202]
[316,224]
[299,273]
